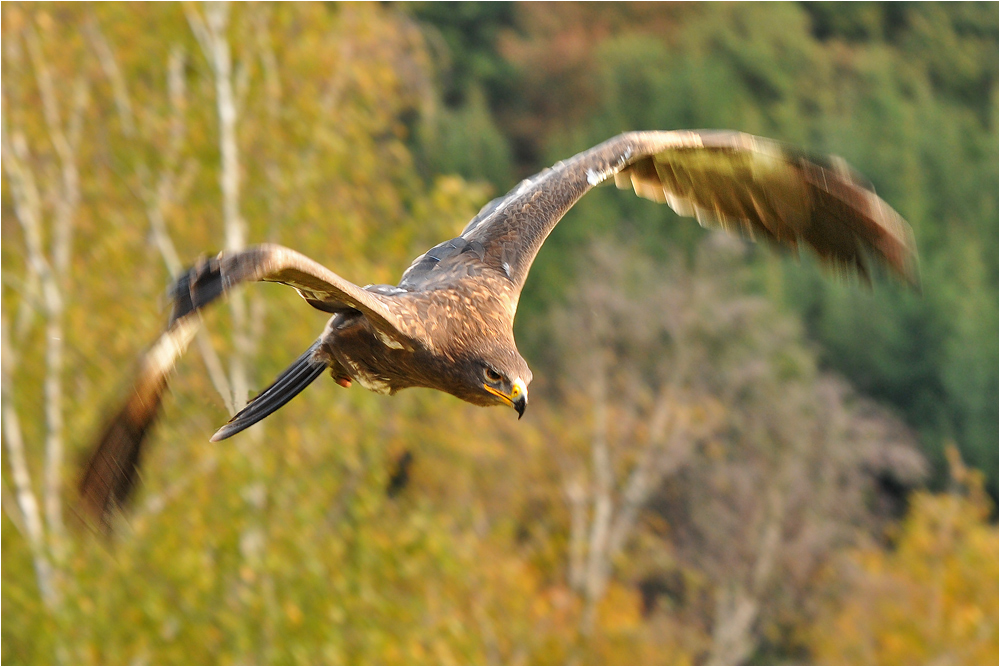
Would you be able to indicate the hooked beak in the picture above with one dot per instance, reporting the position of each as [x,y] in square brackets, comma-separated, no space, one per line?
[518,398]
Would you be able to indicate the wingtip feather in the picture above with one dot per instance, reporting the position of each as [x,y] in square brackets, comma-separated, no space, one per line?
[111,473]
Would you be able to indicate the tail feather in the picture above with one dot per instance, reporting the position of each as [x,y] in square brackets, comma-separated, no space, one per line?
[292,380]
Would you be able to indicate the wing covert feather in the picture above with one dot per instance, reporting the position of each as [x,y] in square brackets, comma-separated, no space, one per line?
[318,285]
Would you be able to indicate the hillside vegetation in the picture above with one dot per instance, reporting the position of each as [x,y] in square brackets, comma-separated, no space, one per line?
[730,455]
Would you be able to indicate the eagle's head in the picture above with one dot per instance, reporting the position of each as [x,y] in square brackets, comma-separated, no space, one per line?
[500,378]
[504,389]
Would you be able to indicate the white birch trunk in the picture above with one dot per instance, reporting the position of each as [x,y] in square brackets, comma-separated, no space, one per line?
[27,501]
[48,276]
[171,184]
[211,33]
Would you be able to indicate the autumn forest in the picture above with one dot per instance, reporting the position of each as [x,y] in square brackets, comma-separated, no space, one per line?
[732,455]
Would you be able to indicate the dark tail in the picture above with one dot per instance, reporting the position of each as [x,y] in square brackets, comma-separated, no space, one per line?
[294,379]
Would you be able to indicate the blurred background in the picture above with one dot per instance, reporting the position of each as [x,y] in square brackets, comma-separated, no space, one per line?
[770,465]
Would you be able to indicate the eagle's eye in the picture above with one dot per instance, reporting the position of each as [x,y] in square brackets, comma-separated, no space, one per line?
[491,375]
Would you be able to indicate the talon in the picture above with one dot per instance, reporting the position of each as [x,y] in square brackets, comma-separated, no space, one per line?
[344,382]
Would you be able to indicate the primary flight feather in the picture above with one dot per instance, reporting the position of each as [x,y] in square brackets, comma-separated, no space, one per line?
[448,324]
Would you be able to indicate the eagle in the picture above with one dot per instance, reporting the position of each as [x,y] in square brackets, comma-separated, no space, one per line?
[448,323]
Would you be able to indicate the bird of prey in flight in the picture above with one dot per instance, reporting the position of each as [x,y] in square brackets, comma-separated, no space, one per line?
[448,324]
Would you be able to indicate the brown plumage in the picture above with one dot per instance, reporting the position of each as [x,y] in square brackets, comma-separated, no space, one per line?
[448,324]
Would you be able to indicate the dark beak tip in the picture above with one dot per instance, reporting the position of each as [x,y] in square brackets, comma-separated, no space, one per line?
[520,406]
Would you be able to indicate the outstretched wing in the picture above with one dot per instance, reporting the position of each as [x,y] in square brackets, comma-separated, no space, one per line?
[743,183]
[320,287]
[110,474]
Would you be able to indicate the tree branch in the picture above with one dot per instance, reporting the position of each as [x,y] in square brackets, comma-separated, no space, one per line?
[211,35]
[169,186]
[27,501]
[597,563]
[106,57]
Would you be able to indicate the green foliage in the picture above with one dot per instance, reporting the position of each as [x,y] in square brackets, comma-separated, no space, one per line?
[906,93]
[465,141]
[364,140]
[467,59]
[282,547]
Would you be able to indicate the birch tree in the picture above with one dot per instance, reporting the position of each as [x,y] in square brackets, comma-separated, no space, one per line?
[707,412]
[647,410]
[44,184]
[211,28]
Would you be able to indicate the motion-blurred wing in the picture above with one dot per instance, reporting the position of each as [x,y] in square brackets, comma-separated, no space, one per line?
[747,184]
[110,474]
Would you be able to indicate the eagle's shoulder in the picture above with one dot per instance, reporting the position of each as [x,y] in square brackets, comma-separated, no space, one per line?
[445,264]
